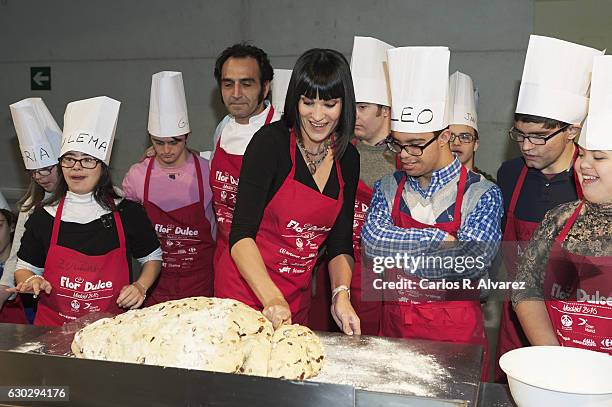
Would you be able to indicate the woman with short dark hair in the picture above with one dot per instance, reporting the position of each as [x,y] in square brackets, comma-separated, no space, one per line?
[296,197]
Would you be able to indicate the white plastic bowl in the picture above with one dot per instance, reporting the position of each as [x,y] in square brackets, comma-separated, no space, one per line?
[558,376]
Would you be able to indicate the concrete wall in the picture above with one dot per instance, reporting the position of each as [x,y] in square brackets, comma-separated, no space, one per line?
[586,22]
[113,47]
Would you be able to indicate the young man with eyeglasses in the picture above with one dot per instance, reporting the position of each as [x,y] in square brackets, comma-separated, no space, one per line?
[430,200]
[464,140]
[552,103]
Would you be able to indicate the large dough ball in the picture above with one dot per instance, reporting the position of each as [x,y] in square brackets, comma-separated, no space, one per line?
[202,333]
[194,333]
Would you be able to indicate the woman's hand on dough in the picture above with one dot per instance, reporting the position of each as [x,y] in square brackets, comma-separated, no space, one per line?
[344,314]
[130,297]
[278,312]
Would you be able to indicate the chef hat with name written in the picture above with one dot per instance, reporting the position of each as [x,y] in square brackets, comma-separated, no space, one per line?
[89,127]
[168,105]
[38,133]
[595,134]
[462,100]
[279,85]
[370,71]
[419,88]
[556,79]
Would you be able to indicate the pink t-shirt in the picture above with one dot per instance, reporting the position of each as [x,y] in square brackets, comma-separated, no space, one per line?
[171,188]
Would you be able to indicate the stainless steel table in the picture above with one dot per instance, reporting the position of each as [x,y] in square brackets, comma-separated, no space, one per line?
[495,395]
[359,371]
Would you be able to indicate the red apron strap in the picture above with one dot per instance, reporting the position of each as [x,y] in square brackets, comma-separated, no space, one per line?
[460,193]
[270,115]
[198,169]
[576,180]
[292,149]
[145,197]
[568,225]
[398,196]
[57,221]
[398,162]
[120,231]
[517,189]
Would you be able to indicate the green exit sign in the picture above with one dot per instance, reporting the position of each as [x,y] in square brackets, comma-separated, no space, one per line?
[40,78]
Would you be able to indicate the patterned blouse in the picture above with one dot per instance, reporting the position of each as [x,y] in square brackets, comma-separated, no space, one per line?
[590,235]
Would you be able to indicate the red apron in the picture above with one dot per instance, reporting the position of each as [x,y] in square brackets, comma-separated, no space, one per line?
[511,335]
[450,321]
[12,312]
[579,324]
[224,175]
[294,225]
[366,301]
[187,244]
[319,317]
[81,284]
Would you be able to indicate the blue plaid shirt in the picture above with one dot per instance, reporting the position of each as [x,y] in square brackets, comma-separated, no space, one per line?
[382,238]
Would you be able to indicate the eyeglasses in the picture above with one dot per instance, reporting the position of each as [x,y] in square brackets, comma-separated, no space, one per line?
[519,136]
[43,172]
[396,147]
[86,162]
[465,138]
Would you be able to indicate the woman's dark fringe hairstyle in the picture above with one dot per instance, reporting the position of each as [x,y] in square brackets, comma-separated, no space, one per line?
[103,193]
[322,73]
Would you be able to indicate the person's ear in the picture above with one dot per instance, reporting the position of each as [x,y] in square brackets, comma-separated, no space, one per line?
[386,111]
[476,144]
[573,131]
[444,137]
[266,89]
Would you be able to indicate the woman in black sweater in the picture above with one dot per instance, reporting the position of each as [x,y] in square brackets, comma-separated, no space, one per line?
[296,195]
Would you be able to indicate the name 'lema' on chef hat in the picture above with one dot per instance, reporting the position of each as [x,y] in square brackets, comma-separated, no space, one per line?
[279,87]
[419,88]
[38,134]
[168,106]
[595,134]
[89,127]
[556,79]
[462,100]
[370,71]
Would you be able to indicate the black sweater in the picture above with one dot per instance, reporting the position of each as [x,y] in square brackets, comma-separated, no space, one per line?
[266,164]
[94,238]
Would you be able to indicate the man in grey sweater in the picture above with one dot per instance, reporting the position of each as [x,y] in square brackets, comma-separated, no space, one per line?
[372,127]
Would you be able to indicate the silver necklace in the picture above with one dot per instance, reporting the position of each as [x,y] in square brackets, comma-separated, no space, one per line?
[313,160]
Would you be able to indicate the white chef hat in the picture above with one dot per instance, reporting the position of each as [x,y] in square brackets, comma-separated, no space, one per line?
[168,106]
[595,134]
[279,85]
[462,98]
[38,133]
[370,72]
[419,88]
[89,127]
[556,79]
